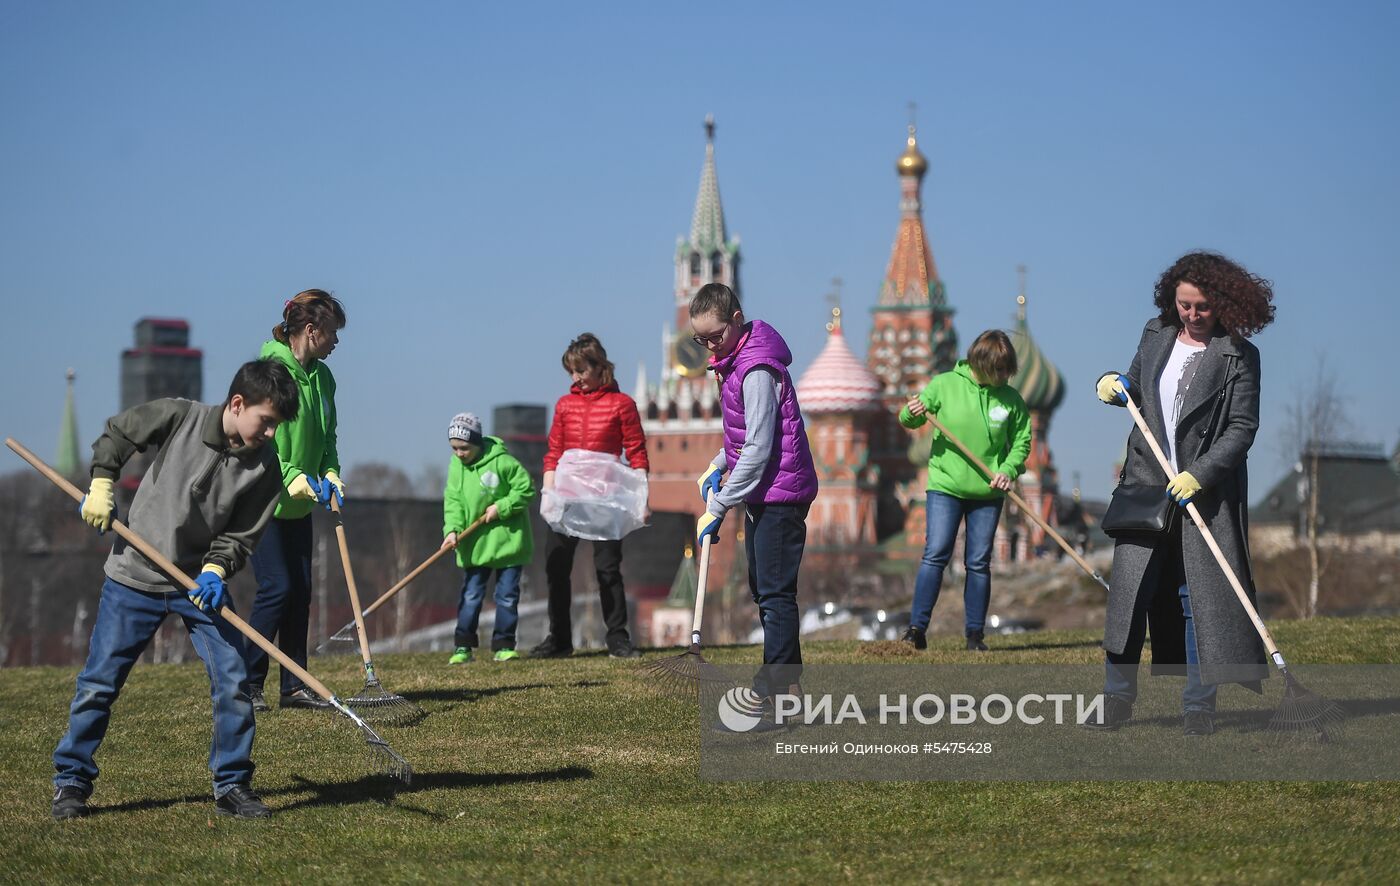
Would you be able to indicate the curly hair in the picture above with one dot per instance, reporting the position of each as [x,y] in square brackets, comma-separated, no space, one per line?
[1242,301]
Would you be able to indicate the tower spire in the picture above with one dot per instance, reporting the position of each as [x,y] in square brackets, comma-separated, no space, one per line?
[707,224]
[67,462]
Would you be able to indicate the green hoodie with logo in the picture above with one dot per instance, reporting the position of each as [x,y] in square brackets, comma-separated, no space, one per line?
[992,421]
[307,445]
[495,478]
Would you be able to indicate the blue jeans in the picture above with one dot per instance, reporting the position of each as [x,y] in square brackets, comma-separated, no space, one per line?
[507,599]
[127,619]
[945,513]
[1121,669]
[775,537]
[282,607]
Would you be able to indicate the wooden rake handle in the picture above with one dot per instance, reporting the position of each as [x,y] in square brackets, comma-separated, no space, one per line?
[350,582]
[700,582]
[170,569]
[1020,502]
[403,582]
[1210,539]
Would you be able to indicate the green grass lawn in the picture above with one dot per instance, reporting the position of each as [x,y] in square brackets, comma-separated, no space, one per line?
[576,770]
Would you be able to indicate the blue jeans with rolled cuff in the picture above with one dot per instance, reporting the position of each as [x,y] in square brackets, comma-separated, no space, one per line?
[127,619]
[507,606]
[944,514]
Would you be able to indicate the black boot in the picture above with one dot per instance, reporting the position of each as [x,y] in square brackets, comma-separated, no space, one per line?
[974,642]
[914,637]
[1198,723]
[260,705]
[69,802]
[240,802]
[552,648]
[1116,712]
[304,698]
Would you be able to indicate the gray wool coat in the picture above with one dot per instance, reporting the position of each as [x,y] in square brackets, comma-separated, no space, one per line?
[1219,417]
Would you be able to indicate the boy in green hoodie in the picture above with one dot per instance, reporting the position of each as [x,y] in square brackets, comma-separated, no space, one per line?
[975,403]
[484,480]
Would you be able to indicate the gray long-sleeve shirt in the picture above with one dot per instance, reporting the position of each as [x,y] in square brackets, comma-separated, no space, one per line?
[201,501]
[760,391]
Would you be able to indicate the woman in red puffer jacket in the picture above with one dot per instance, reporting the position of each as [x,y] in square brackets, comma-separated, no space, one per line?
[596,416]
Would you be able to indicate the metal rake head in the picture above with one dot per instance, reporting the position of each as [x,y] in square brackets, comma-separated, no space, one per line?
[342,642]
[383,758]
[377,705]
[1304,714]
[684,673]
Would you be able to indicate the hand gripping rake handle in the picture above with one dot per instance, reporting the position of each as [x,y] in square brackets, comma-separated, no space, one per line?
[1020,503]
[350,583]
[700,583]
[1210,541]
[184,580]
[403,582]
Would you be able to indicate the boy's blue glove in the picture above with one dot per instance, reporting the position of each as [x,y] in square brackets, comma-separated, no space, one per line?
[709,481]
[98,508]
[1113,388]
[209,590]
[332,485]
[708,524]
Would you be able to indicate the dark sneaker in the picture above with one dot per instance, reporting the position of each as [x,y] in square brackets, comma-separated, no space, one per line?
[625,649]
[1116,712]
[551,648]
[260,705]
[69,802]
[240,802]
[304,698]
[974,642]
[1198,723]
[914,637]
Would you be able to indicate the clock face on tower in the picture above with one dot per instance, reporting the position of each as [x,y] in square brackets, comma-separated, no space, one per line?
[691,357]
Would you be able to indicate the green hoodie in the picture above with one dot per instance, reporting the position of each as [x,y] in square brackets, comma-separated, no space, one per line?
[991,421]
[494,478]
[307,445]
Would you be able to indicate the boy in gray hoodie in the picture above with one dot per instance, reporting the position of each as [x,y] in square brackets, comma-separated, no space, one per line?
[203,504]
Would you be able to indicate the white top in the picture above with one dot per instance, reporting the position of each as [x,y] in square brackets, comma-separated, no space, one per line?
[1176,380]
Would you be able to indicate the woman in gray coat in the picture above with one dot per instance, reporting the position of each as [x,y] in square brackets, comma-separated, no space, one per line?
[1196,380]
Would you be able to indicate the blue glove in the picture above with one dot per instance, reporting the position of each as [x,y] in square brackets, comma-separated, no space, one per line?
[307,488]
[709,481]
[1183,488]
[332,485]
[707,525]
[208,592]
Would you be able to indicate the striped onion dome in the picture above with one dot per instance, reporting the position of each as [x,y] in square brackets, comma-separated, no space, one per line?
[837,381]
[1037,380]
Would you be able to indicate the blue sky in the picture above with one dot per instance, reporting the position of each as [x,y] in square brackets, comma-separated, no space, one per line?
[479,183]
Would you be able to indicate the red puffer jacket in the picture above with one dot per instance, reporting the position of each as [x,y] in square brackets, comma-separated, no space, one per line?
[604,420]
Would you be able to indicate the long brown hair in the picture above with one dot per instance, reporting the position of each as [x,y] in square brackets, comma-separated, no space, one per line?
[588,351]
[315,306]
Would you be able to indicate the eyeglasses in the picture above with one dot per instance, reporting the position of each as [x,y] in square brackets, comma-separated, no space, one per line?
[715,339]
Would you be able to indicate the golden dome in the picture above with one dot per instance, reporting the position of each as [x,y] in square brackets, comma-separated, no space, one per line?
[911,162]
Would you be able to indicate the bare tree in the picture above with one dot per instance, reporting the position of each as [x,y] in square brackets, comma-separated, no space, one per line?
[374,479]
[1316,418]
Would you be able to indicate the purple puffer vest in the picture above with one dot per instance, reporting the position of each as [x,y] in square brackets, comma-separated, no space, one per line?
[790,478]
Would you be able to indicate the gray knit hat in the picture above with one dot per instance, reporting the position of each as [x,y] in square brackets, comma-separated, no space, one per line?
[465,426]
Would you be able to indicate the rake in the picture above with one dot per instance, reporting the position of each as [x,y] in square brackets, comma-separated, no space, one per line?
[1020,503]
[1301,711]
[373,702]
[346,636]
[689,671]
[384,759]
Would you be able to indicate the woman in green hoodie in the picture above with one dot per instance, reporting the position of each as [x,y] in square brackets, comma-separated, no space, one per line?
[307,335]
[975,403]
[484,480]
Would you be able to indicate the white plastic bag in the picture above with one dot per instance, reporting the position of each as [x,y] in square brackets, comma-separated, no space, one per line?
[595,497]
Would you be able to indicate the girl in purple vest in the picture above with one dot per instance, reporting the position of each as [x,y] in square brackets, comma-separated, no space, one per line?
[770,470]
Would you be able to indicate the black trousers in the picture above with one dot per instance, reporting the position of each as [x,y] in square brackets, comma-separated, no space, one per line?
[282,607]
[607,564]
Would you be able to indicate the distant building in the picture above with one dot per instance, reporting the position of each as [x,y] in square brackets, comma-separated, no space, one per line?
[524,428]
[1358,504]
[162,364]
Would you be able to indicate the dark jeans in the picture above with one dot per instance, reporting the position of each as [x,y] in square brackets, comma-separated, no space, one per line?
[944,514]
[774,538]
[127,619]
[507,603]
[1121,669]
[282,608]
[607,565]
